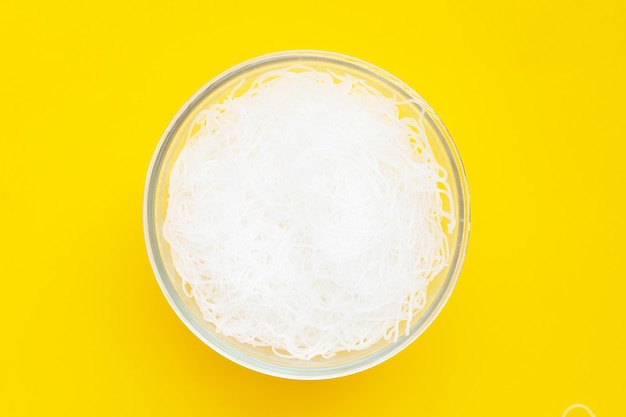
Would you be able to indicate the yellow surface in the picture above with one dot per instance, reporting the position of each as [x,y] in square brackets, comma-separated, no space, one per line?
[533,93]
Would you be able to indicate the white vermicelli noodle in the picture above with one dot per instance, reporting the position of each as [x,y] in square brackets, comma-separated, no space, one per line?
[307,215]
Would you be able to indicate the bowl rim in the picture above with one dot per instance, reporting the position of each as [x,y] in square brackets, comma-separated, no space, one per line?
[457,256]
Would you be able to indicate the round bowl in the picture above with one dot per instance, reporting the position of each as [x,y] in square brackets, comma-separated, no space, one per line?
[156,201]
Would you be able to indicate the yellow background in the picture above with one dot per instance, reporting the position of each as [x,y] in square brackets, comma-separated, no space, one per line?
[531,91]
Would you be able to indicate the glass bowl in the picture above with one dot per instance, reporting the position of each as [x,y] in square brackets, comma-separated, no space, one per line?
[156,200]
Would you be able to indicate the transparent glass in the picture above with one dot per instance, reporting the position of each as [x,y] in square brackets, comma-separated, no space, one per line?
[156,200]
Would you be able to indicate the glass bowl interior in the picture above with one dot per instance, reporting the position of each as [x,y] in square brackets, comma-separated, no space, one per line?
[156,199]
